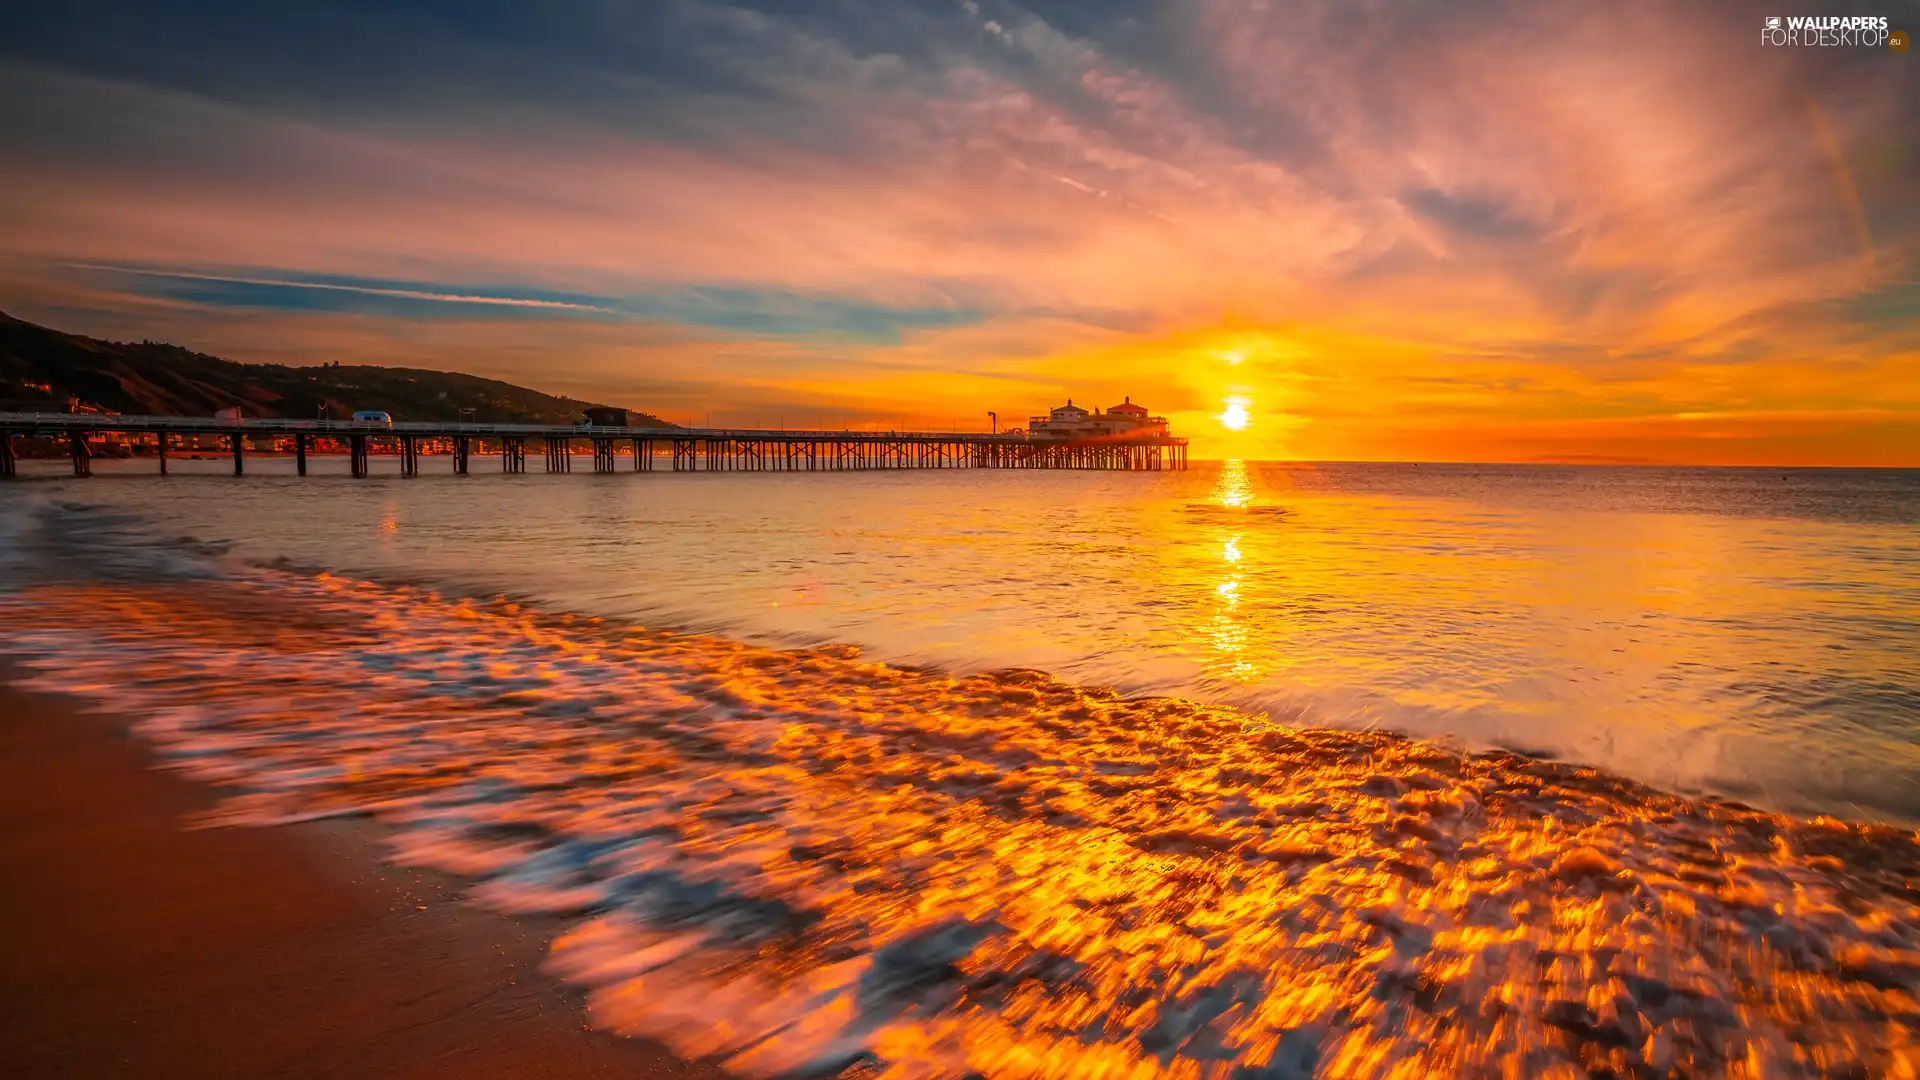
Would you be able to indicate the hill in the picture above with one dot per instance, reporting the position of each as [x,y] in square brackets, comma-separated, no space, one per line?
[42,368]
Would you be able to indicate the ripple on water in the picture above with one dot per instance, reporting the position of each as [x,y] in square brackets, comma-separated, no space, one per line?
[791,861]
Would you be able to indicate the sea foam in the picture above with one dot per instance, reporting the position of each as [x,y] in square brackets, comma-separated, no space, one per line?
[793,861]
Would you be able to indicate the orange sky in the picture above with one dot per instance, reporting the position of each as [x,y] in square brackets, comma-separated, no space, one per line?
[1489,231]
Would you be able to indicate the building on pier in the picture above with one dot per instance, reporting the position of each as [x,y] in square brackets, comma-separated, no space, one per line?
[1071,422]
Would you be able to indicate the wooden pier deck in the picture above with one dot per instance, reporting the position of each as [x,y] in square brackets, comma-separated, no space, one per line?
[683,449]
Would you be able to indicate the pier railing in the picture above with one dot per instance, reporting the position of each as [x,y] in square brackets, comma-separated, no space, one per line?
[688,449]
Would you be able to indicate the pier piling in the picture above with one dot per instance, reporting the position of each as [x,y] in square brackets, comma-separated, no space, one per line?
[692,450]
[81,453]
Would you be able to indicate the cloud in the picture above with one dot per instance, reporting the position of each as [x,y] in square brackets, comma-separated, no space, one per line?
[1488,218]
[1495,209]
[362,290]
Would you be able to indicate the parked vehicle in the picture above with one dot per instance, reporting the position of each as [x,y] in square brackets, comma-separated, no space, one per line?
[373,418]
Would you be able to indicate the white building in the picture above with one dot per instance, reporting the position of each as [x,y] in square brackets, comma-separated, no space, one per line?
[1124,421]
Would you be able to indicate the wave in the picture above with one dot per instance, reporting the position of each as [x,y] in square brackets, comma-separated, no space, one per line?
[789,861]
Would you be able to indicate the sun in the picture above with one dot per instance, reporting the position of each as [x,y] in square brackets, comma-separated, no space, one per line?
[1235,416]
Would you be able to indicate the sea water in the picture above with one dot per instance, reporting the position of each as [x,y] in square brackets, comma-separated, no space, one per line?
[1296,769]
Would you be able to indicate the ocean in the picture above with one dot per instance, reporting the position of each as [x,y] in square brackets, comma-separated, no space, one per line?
[1259,769]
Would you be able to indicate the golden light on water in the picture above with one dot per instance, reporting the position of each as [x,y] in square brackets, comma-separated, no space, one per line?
[1056,881]
[1235,416]
[1233,488]
[1232,639]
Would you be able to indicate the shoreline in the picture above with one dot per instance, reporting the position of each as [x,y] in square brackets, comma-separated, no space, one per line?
[1066,869]
[137,944]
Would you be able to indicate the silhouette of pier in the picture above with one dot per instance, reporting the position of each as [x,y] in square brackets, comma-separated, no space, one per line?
[644,448]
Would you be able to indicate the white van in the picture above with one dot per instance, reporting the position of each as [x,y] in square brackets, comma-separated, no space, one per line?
[373,418]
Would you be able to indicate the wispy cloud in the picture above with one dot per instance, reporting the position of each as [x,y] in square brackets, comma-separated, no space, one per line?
[1440,219]
[363,290]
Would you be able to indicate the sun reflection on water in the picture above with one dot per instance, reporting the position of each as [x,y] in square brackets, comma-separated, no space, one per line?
[1234,488]
[1234,643]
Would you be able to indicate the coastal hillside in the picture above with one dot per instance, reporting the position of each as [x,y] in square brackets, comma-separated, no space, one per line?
[42,367]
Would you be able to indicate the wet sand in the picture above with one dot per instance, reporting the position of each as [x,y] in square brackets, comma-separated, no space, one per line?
[136,947]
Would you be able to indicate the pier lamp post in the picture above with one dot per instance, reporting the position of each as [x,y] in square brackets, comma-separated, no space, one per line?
[995,417]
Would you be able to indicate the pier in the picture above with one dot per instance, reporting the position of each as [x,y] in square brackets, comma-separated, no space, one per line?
[680,449]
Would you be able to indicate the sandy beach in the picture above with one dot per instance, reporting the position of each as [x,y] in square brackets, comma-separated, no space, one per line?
[138,947]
